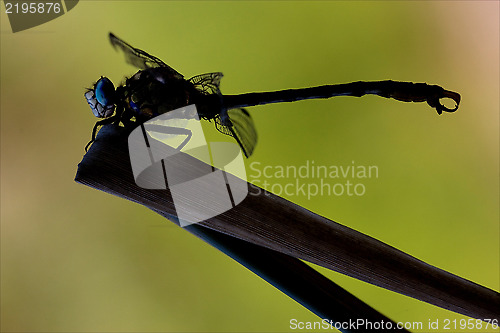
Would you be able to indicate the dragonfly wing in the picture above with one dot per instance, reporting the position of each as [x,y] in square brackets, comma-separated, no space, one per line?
[242,129]
[208,83]
[139,58]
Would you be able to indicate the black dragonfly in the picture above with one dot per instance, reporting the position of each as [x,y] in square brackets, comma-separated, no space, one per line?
[157,88]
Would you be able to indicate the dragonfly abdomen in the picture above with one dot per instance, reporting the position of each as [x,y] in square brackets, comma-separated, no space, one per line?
[403,91]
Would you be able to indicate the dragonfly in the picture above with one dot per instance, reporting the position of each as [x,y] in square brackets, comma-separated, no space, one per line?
[157,89]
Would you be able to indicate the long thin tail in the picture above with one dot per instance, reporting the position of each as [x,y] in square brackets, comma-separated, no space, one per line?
[402,91]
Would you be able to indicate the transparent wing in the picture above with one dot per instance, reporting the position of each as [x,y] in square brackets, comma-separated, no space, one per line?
[207,83]
[139,58]
[241,128]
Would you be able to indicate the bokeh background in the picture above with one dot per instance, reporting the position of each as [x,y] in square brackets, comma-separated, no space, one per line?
[74,259]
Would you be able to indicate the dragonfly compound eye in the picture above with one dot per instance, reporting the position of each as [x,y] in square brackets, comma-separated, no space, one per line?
[99,109]
[104,92]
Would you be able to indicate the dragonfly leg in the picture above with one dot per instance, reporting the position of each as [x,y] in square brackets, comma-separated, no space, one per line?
[126,121]
[170,130]
[97,125]
[188,134]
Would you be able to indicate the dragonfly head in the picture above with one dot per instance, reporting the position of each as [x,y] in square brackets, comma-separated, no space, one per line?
[101,98]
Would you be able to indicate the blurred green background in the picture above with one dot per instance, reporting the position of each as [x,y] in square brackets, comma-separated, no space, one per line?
[74,259]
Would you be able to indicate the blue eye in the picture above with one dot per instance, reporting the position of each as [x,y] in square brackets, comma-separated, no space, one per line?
[102,98]
[105,91]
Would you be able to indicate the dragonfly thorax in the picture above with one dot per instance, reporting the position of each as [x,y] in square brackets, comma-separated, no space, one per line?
[102,98]
[151,92]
